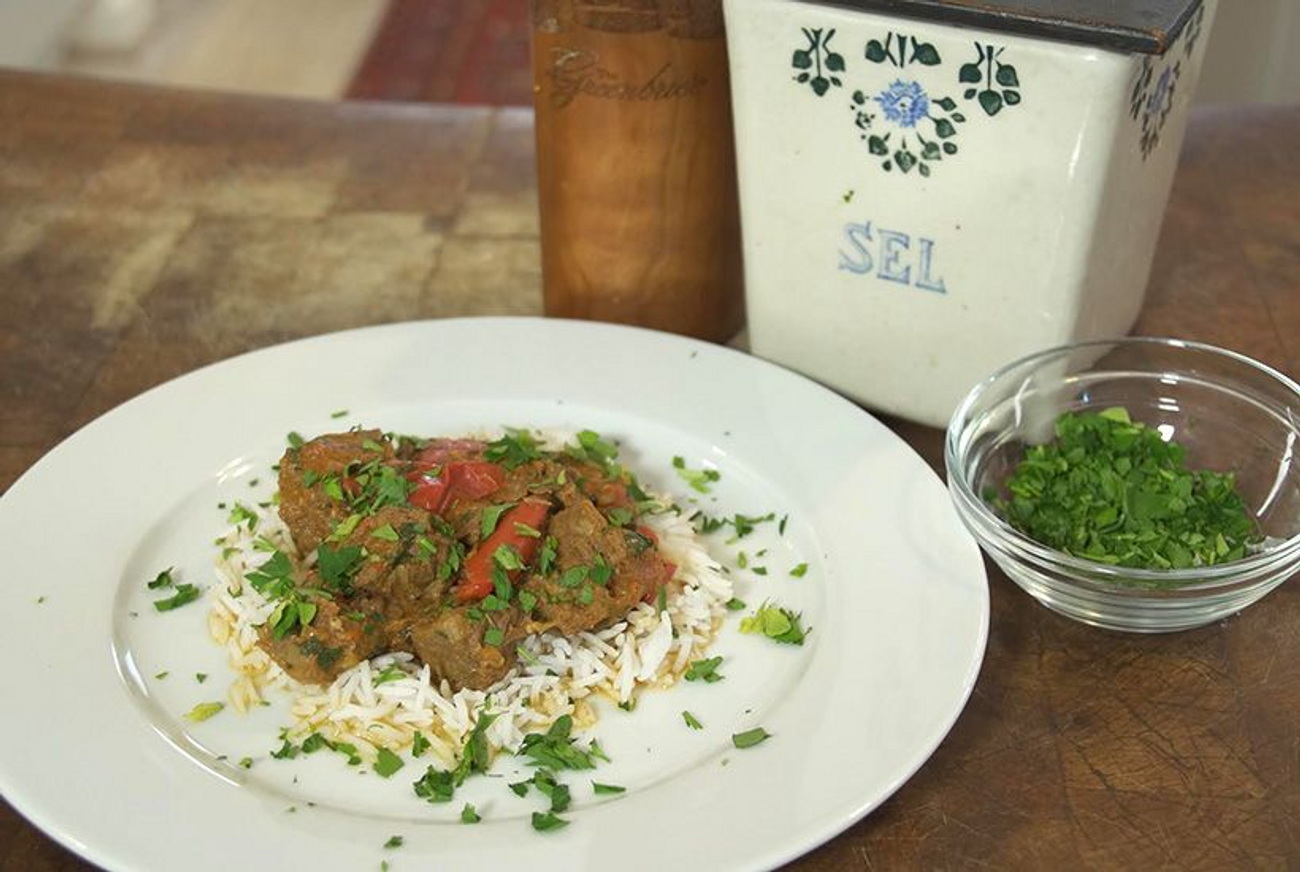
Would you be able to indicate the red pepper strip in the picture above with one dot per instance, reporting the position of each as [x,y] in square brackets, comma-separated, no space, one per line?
[648,533]
[469,479]
[476,578]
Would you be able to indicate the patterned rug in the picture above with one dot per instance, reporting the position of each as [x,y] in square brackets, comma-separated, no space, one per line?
[449,51]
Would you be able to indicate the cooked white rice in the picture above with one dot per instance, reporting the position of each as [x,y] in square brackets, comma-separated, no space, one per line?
[559,677]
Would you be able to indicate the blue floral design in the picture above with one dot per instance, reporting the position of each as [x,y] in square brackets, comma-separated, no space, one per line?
[904,103]
[1161,95]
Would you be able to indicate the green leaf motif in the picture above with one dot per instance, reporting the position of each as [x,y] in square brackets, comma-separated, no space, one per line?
[958,117]
[835,62]
[905,160]
[931,151]
[944,128]
[950,148]
[1012,97]
[991,101]
[1006,76]
[859,98]
[876,52]
[802,60]
[947,104]
[821,85]
[925,170]
[802,78]
[876,145]
[969,93]
[969,73]
[925,53]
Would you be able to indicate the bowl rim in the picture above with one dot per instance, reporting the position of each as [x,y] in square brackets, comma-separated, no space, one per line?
[1022,547]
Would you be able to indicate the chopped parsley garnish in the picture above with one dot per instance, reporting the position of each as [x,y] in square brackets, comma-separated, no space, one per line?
[735,605]
[295,441]
[491,516]
[707,524]
[586,595]
[574,576]
[419,744]
[242,514]
[555,749]
[546,558]
[619,516]
[800,571]
[185,593]
[601,571]
[514,449]
[599,788]
[750,738]
[744,525]
[759,570]
[546,821]
[246,762]
[162,579]
[338,566]
[776,623]
[468,815]
[493,636]
[341,413]
[525,530]
[274,580]
[200,677]
[692,721]
[387,674]
[203,711]
[704,670]
[591,447]
[386,763]
[385,533]
[780,528]
[742,560]
[661,599]
[527,600]
[1112,490]
[435,786]
[393,842]
[545,782]
[161,675]
[438,786]
[698,479]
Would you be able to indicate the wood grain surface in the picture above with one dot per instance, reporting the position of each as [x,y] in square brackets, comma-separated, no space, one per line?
[144,233]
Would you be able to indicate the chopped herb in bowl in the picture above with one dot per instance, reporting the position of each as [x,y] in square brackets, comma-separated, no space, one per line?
[1112,490]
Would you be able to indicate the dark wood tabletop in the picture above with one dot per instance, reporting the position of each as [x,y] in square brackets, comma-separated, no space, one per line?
[147,232]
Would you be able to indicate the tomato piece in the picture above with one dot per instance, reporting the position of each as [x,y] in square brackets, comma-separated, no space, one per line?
[469,479]
[476,576]
[670,569]
[429,494]
[474,479]
[648,533]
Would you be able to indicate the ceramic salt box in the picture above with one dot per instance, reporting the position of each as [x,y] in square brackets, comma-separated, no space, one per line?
[932,189]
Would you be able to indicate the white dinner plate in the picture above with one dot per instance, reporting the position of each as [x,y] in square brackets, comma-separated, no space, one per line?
[93,748]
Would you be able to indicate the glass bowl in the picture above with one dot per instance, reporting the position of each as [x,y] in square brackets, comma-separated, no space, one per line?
[1230,412]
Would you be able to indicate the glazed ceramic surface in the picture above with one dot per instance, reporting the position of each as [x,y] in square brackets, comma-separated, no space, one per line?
[923,202]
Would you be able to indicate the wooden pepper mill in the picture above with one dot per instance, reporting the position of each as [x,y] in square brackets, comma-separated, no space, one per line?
[636,164]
